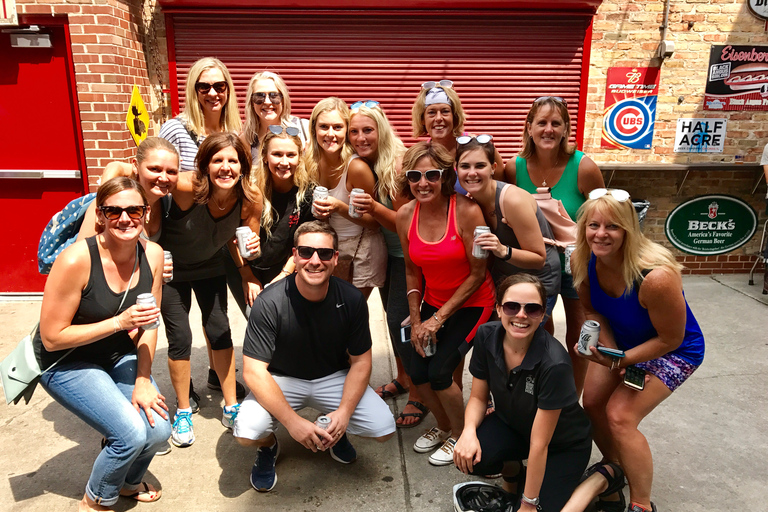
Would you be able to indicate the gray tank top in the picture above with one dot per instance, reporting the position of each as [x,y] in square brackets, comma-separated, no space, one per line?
[549,275]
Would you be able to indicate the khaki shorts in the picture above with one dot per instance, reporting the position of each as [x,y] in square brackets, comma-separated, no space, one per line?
[369,270]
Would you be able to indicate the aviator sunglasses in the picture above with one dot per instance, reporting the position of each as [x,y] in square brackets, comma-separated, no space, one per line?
[306,252]
[258,98]
[279,130]
[482,139]
[204,87]
[432,175]
[532,309]
[115,212]
[367,103]
[617,193]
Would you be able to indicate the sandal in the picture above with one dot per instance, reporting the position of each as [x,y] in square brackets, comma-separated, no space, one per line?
[418,415]
[146,495]
[615,485]
[384,393]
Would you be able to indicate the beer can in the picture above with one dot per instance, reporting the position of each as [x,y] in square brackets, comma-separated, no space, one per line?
[320,193]
[243,233]
[477,251]
[590,331]
[168,258]
[431,347]
[323,422]
[148,298]
[352,210]
[568,251]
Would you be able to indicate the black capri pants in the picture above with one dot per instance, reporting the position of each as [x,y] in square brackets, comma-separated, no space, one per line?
[453,342]
[500,443]
[211,295]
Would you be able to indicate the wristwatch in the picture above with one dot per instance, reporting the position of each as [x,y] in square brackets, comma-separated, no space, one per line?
[509,253]
[531,501]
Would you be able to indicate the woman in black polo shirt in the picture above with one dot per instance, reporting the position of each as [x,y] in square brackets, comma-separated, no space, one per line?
[537,414]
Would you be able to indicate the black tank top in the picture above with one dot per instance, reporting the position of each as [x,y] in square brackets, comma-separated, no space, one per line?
[98,302]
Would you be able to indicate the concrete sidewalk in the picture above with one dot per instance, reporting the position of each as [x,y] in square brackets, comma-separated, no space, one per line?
[708,438]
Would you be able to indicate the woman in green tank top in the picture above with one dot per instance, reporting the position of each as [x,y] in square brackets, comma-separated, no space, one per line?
[548,160]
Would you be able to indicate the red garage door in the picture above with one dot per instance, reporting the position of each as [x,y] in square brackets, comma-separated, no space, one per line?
[499,64]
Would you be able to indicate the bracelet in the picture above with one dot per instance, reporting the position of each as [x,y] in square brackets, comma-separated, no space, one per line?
[615,363]
[285,272]
[531,501]
[116,324]
[434,315]
[413,290]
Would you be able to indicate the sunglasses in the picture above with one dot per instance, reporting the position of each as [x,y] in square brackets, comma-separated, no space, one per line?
[279,130]
[482,139]
[219,87]
[441,83]
[115,212]
[306,252]
[367,103]
[432,175]
[532,309]
[555,98]
[259,98]
[617,193]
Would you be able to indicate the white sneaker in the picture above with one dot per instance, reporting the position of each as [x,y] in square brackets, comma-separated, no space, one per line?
[182,434]
[444,455]
[430,439]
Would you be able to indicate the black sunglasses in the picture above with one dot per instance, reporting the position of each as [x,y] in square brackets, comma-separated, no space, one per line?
[555,98]
[279,130]
[306,252]
[259,98]
[432,175]
[204,87]
[532,309]
[115,212]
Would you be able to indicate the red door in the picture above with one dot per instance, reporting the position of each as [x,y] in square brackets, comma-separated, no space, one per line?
[41,168]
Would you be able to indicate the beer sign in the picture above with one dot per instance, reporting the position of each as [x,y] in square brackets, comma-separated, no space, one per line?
[759,8]
[710,225]
[700,135]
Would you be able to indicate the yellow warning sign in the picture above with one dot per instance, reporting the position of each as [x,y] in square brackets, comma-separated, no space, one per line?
[137,119]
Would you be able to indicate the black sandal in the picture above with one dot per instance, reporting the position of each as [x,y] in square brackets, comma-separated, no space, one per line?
[615,485]
[420,415]
[384,394]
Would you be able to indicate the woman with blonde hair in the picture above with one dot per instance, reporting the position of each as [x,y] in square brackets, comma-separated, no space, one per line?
[210,107]
[268,103]
[333,164]
[634,289]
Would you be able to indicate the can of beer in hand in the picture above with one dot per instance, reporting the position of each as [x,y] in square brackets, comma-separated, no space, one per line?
[168,258]
[243,233]
[352,210]
[590,331]
[323,422]
[568,251]
[431,347]
[477,251]
[148,298]
[320,193]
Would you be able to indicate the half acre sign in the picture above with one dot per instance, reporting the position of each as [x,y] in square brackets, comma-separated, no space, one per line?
[709,225]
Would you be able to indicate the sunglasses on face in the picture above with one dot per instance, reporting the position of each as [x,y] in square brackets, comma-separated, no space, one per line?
[115,212]
[482,139]
[279,130]
[367,103]
[432,175]
[441,83]
[306,252]
[555,98]
[531,309]
[258,98]
[617,193]
[219,87]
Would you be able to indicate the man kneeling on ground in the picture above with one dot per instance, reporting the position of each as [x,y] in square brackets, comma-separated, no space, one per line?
[308,344]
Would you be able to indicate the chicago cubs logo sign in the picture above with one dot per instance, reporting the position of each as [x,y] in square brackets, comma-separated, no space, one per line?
[630,108]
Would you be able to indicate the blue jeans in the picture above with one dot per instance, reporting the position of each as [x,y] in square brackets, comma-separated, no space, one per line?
[101,397]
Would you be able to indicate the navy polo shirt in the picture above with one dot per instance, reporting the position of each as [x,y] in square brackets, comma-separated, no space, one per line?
[544,380]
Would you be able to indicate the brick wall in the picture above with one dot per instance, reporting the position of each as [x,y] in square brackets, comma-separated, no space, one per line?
[627,33]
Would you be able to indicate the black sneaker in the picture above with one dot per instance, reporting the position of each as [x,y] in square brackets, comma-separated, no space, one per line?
[343,451]
[263,475]
[215,383]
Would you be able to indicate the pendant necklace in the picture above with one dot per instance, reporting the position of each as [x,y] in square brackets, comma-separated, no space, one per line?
[217,203]
[544,181]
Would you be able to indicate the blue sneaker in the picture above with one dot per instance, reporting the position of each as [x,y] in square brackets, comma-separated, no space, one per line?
[230,413]
[343,451]
[263,475]
[182,434]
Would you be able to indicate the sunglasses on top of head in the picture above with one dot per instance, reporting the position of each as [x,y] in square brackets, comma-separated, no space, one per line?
[306,252]
[367,103]
[258,98]
[115,212]
[279,130]
[482,139]
[531,309]
[432,175]
[204,87]
[441,83]
[617,193]
[554,98]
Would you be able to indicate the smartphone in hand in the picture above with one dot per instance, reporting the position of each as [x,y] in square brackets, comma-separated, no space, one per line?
[634,378]
[613,352]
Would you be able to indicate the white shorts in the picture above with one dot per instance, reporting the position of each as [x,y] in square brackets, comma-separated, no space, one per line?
[372,416]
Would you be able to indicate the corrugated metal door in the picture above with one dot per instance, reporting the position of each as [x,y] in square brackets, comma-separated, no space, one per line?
[499,64]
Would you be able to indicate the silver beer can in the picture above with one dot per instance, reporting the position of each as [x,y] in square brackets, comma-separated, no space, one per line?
[320,193]
[590,332]
[168,258]
[148,298]
[352,210]
[243,233]
[477,251]
[323,422]
[431,347]
[568,251]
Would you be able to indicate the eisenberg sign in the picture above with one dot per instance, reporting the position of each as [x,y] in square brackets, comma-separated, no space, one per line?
[709,225]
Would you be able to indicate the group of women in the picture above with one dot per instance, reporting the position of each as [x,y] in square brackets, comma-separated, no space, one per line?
[408,230]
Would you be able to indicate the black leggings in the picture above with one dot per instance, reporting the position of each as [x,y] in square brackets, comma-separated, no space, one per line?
[395,302]
[211,295]
[500,443]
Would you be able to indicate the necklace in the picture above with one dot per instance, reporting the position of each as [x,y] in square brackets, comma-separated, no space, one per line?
[217,204]
[544,181]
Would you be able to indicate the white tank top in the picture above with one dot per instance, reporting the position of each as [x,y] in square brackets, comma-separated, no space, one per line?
[344,228]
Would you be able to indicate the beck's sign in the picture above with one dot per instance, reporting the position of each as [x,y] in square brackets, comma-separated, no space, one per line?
[710,225]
